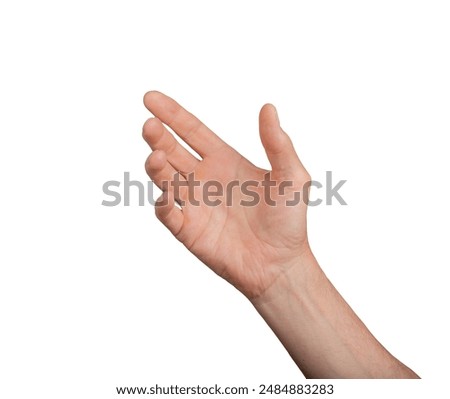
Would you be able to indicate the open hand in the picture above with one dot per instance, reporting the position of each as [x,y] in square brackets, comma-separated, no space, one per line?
[248,245]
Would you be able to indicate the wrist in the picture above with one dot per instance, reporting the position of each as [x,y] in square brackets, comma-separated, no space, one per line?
[300,277]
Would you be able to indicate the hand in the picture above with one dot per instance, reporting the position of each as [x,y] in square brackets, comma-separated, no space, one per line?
[261,249]
[249,246]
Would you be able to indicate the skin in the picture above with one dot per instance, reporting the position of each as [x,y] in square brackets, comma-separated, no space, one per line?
[262,250]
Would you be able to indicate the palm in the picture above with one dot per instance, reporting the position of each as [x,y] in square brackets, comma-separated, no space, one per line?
[244,244]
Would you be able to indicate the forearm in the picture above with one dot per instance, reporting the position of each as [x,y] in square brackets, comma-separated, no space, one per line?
[320,331]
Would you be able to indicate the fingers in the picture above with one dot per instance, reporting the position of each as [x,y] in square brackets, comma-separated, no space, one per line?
[167,212]
[184,124]
[165,176]
[159,138]
[279,148]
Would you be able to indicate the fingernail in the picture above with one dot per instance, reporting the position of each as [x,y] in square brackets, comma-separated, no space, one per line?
[276,114]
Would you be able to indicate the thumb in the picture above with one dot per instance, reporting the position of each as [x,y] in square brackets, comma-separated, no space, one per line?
[279,148]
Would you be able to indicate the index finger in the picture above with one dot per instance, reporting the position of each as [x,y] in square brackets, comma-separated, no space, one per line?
[190,129]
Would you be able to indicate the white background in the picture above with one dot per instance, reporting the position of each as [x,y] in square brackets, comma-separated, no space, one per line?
[93,297]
